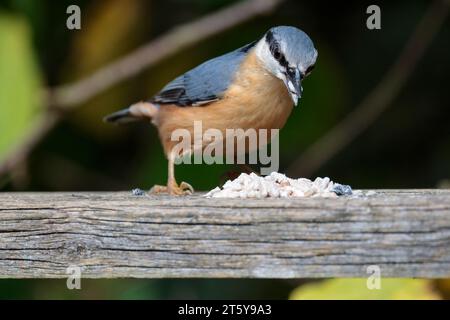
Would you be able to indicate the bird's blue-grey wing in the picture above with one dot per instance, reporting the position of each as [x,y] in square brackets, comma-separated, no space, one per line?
[205,83]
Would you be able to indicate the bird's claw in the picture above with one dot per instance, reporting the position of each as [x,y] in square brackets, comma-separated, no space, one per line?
[186,187]
[157,189]
[173,189]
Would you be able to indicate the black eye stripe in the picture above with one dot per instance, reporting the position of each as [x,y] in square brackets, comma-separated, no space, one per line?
[276,50]
[273,44]
[290,72]
[283,62]
[310,68]
[269,38]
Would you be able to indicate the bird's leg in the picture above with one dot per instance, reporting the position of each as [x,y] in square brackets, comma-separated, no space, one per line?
[172,186]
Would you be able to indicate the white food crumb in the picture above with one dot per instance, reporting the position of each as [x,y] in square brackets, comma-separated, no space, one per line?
[275,185]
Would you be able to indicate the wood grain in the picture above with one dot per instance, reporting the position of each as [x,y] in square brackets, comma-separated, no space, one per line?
[113,235]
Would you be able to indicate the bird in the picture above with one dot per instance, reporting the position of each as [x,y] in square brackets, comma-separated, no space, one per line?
[254,86]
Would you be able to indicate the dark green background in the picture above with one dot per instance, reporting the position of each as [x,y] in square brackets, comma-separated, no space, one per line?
[407,147]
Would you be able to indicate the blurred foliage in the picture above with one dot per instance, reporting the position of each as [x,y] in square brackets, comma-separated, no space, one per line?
[356,289]
[97,156]
[19,82]
[409,146]
[443,285]
[145,289]
[99,46]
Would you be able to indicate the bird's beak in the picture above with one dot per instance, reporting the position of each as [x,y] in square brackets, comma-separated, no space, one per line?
[293,84]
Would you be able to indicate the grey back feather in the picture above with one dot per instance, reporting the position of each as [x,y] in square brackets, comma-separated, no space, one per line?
[205,83]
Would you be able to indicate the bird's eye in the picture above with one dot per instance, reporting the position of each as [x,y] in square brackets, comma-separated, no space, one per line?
[276,52]
[308,71]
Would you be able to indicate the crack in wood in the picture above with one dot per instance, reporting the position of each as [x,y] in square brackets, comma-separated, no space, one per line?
[111,235]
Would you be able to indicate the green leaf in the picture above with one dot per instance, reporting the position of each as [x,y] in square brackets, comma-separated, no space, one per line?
[19,83]
[391,289]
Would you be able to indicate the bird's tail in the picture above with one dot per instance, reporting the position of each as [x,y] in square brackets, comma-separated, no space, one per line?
[137,112]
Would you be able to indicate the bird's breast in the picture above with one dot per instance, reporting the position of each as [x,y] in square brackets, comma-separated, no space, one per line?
[255,100]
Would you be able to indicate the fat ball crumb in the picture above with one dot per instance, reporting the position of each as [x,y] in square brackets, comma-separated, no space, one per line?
[277,185]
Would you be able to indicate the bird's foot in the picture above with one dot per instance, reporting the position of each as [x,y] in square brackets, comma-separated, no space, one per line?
[173,189]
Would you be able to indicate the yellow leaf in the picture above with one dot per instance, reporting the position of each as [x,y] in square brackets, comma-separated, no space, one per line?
[343,289]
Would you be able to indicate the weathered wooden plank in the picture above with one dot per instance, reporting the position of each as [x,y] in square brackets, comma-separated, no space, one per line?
[110,235]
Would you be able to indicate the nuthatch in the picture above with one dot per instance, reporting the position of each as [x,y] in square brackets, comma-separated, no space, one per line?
[255,86]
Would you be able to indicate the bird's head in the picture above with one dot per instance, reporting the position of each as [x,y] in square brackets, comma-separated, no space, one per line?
[289,54]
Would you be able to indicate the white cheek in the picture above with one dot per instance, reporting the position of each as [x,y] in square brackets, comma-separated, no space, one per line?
[280,75]
[270,64]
